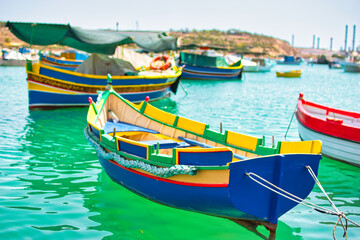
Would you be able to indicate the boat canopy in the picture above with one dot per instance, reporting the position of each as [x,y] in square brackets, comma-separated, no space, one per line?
[99,64]
[99,41]
[202,60]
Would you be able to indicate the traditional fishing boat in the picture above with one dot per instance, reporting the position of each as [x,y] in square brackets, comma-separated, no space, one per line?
[350,66]
[290,74]
[265,64]
[51,86]
[198,66]
[250,65]
[184,164]
[339,130]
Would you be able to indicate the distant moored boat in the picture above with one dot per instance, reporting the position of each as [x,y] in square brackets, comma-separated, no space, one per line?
[290,74]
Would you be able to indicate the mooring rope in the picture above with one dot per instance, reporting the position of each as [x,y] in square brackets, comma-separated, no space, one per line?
[292,197]
[164,172]
[292,117]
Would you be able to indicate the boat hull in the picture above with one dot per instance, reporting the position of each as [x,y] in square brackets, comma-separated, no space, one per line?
[350,67]
[43,95]
[288,74]
[265,68]
[249,68]
[333,147]
[288,63]
[211,73]
[12,62]
[240,198]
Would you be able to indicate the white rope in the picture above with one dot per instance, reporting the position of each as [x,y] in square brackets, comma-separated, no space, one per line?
[321,188]
[292,197]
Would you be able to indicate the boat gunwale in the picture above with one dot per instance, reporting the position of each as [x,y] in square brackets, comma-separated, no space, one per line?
[210,67]
[101,86]
[301,109]
[175,127]
[84,75]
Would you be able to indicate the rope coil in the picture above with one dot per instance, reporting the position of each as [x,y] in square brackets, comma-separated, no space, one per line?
[164,172]
[303,202]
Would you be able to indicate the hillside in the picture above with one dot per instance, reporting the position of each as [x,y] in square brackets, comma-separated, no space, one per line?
[237,42]
[234,41]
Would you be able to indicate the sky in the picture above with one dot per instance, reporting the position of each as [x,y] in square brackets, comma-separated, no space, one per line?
[281,19]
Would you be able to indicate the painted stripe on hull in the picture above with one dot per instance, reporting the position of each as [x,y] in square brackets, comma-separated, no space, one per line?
[332,147]
[76,78]
[209,200]
[350,66]
[60,61]
[61,67]
[193,72]
[44,98]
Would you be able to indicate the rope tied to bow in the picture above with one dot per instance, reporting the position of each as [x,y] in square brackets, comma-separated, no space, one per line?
[272,187]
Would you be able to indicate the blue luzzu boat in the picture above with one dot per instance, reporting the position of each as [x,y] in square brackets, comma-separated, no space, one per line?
[197,66]
[184,164]
[53,86]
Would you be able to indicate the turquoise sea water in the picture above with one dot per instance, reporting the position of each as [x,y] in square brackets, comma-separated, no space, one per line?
[52,185]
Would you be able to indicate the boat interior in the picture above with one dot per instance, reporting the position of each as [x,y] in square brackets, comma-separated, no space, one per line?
[332,115]
[146,131]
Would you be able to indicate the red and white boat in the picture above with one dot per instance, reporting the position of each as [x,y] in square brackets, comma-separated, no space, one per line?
[338,130]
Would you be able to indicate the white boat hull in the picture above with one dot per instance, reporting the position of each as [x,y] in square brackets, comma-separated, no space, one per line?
[336,148]
[251,68]
[350,66]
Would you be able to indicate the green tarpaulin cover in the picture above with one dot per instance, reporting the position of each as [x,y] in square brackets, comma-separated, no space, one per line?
[99,41]
[202,60]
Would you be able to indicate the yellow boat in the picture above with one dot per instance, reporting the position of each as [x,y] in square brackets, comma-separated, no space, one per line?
[291,74]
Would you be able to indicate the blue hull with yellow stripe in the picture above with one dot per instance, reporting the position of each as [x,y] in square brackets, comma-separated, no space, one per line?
[184,164]
[240,198]
[211,73]
[52,86]
[56,97]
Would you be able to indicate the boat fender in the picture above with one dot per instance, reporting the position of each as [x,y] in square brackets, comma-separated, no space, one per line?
[164,66]
[335,120]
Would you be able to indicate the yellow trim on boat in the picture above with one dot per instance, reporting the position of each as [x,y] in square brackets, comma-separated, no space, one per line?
[105,77]
[241,140]
[44,88]
[100,86]
[301,147]
[159,114]
[191,125]
[238,67]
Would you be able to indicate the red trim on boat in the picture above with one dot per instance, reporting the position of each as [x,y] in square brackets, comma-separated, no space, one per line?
[327,125]
[171,181]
